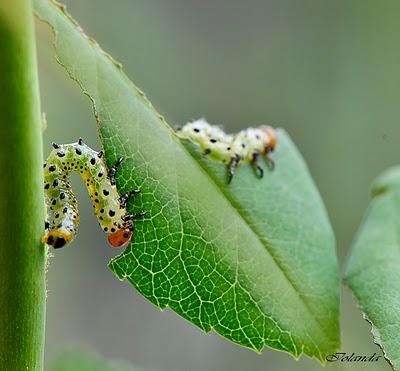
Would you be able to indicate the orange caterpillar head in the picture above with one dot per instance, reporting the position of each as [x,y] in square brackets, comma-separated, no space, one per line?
[120,237]
[271,133]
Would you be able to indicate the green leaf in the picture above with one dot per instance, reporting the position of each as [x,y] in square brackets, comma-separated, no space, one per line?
[254,260]
[373,271]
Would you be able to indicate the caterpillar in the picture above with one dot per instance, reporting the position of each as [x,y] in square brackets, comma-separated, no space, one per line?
[232,149]
[62,209]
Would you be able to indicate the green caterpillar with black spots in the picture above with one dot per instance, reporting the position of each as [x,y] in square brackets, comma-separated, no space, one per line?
[62,209]
[232,149]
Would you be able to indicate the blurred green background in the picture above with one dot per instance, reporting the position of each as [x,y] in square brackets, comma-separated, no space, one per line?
[324,71]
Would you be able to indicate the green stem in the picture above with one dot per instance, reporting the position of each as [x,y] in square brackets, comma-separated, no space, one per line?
[22,256]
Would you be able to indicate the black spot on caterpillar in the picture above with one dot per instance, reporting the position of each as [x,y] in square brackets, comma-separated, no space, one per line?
[110,206]
[232,149]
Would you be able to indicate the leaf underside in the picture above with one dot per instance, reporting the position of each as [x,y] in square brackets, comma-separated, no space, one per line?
[373,271]
[254,260]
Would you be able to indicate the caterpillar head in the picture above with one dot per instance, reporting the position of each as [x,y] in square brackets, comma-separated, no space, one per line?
[271,133]
[120,237]
[57,238]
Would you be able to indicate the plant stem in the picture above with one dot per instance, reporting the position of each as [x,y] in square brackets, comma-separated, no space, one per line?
[22,256]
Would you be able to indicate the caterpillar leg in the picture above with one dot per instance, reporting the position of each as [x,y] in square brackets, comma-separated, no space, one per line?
[256,163]
[124,198]
[113,170]
[233,164]
[136,216]
[270,162]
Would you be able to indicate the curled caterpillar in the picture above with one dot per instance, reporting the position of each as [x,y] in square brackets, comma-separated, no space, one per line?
[62,208]
[232,149]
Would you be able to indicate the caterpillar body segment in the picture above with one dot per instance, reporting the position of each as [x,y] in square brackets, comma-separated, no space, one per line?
[244,147]
[62,208]
[210,138]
